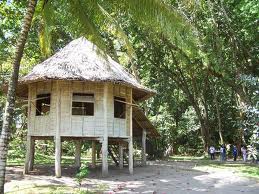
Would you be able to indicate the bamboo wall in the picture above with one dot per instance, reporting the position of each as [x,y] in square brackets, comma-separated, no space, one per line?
[77,125]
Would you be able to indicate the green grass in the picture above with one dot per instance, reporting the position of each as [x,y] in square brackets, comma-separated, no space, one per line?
[244,169]
[248,170]
[51,189]
[187,158]
[41,159]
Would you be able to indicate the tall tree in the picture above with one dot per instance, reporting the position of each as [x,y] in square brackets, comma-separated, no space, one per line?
[85,14]
[10,104]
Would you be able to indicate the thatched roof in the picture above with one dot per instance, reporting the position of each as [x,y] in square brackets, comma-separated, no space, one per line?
[82,60]
[140,121]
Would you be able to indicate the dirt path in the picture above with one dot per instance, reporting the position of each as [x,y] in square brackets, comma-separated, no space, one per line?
[157,177]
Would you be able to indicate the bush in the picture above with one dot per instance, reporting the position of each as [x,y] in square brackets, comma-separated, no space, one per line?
[82,174]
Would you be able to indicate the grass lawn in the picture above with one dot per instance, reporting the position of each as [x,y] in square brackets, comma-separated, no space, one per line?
[51,189]
[244,169]
[187,158]
[42,159]
[248,170]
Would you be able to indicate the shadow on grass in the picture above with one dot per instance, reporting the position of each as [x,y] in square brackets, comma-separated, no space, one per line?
[43,160]
[52,189]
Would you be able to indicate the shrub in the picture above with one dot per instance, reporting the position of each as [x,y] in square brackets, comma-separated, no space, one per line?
[82,174]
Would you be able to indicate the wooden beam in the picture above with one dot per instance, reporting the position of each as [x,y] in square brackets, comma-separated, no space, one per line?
[113,157]
[127,103]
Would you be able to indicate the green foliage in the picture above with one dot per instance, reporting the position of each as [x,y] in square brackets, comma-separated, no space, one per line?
[52,189]
[82,174]
[193,53]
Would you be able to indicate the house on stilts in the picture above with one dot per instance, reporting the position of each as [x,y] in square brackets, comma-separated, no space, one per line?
[80,94]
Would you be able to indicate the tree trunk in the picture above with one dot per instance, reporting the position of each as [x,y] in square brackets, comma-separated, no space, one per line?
[179,78]
[10,102]
[241,104]
[218,117]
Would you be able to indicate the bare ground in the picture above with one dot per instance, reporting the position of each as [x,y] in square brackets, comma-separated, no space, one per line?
[157,177]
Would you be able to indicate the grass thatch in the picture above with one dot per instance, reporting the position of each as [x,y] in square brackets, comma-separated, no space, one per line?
[82,60]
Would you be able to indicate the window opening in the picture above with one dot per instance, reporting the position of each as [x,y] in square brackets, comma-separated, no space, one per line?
[83,104]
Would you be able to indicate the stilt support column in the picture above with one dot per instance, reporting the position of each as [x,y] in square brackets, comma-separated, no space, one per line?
[121,156]
[58,157]
[130,145]
[29,159]
[104,140]
[57,136]
[93,154]
[143,151]
[130,140]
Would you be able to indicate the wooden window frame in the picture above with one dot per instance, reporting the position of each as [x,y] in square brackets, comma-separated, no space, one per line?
[121,112]
[87,101]
[41,101]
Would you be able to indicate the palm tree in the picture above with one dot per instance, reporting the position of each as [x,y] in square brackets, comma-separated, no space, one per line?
[91,18]
[10,102]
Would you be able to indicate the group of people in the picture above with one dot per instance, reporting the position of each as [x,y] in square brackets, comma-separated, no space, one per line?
[223,153]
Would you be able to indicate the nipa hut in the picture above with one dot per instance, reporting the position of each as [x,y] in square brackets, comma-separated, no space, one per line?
[82,94]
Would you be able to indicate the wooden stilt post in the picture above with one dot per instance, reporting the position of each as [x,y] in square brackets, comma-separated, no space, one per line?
[30,142]
[93,154]
[78,144]
[130,144]
[31,161]
[28,157]
[57,137]
[58,156]
[121,156]
[143,150]
[105,134]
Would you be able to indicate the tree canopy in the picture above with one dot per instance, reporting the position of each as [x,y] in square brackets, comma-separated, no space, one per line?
[200,56]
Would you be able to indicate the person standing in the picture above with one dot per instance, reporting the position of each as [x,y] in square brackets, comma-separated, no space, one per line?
[212,152]
[244,154]
[222,153]
[235,153]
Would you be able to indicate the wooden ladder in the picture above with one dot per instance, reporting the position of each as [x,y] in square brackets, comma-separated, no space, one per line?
[113,150]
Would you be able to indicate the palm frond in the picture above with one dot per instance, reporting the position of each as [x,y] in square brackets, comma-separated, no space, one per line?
[46,25]
[115,29]
[85,23]
[161,18]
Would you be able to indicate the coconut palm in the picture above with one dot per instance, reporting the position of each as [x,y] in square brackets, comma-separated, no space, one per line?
[10,102]
[92,17]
